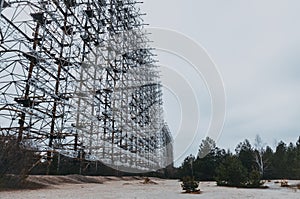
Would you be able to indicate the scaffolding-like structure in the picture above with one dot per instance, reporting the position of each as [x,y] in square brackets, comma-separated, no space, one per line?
[78,77]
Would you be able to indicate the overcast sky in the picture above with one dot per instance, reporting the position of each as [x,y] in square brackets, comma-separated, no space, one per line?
[256,45]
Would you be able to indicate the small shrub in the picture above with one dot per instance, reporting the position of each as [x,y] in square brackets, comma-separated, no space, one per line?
[189,185]
[148,181]
[254,179]
[284,183]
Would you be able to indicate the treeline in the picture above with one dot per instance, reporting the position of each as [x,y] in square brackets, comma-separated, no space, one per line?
[247,166]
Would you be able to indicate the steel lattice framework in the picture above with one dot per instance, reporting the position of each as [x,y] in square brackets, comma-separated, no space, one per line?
[78,77]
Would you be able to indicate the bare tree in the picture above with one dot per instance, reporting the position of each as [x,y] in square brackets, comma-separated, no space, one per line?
[259,151]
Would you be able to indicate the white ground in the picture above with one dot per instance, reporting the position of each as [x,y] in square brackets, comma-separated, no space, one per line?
[135,189]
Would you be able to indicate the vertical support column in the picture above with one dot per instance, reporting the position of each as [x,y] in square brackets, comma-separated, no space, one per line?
[57,84]
[27,87]
[1,5]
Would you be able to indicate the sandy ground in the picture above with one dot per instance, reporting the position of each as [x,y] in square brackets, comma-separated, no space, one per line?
[133,188]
